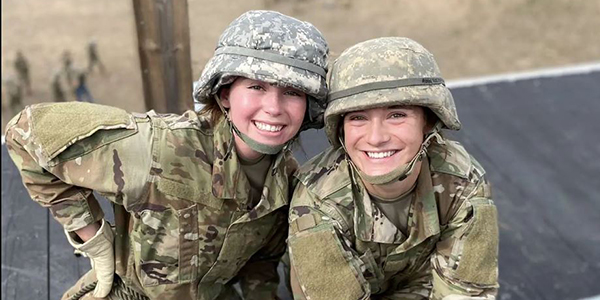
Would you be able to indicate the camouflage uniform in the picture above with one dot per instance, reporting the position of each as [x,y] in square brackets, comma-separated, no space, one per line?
[184,230]
[341,244]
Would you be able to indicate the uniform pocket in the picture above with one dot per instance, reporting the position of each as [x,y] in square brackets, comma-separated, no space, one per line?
[188,192]
[166,241]
[242,242]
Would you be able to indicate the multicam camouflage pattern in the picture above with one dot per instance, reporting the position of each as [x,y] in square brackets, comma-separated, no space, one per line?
[184,228]
[387,59]
[275,34]
[445,252]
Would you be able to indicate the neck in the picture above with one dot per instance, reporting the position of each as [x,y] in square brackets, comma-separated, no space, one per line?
[394,189]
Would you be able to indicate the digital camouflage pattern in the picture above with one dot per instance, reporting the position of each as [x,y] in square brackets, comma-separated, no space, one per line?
[184,228]
[342,246]
[275,48]
[382,60]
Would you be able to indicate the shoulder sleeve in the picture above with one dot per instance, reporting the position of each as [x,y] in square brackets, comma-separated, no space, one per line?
[450,158]
[466,258]
[108,152]
[322,262]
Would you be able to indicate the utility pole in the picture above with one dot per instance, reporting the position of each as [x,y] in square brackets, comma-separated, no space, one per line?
[164,48]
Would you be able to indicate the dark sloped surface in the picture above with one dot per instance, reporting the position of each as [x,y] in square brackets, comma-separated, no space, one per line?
[538,140]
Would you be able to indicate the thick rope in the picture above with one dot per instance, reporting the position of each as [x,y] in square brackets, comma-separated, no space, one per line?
[119,291]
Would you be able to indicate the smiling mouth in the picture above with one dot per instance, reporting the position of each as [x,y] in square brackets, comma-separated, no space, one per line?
[379,155]
[268,127]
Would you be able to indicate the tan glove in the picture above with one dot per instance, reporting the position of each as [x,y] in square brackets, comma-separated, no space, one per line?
[101,252]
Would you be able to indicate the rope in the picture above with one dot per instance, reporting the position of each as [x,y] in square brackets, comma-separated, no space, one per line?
[84,290]
[119,291]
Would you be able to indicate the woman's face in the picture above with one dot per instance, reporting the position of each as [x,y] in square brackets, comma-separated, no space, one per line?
[266,113]
[379,140]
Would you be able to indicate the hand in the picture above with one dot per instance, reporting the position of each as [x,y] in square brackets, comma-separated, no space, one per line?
[99,248]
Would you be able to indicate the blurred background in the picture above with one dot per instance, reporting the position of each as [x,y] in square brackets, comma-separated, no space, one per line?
[537,137]
[468,38]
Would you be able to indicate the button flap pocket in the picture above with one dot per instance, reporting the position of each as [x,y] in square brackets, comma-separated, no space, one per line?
[188,192]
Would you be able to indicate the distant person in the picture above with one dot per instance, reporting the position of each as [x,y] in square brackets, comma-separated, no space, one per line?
[82,93]
[22,68]
[393,210]
[58,92]
[94,58]
[14,91]
[67,65]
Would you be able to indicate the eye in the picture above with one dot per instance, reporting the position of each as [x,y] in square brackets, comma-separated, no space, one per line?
[356,118]
[397,115]
[294,93]
[256,87]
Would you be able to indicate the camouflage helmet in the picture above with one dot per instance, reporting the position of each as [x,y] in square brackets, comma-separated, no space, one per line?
[383,72]
[271,47]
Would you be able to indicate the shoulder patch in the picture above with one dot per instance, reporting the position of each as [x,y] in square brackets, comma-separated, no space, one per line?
[56,126]
[325,173]
[450,158]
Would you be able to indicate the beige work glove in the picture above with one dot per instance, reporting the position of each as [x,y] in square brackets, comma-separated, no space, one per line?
[101,252]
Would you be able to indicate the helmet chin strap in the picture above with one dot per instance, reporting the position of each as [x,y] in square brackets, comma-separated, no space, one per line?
[404,170]
[254,145]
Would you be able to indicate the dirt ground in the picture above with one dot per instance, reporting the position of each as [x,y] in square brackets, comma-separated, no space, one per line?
[469,38]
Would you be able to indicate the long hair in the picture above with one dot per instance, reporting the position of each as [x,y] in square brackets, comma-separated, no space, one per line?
[212,110]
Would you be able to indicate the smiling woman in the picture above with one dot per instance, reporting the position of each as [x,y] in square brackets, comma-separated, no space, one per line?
[264,112]
[393,210]
[200,198]
[379,140]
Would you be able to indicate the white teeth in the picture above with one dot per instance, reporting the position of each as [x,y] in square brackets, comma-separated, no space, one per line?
[267,127]
[380,154]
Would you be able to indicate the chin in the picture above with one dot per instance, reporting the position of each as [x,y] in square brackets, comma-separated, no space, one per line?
[378,173]
[375,172]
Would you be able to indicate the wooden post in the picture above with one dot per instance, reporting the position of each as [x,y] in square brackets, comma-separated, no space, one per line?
[164,47]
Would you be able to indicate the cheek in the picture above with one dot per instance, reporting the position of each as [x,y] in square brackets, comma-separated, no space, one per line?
[241,107]
[351,135]
[413,137]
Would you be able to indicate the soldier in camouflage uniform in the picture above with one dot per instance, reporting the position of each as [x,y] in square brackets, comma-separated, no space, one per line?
[201,198]
[94,57]
[22,68]
[393,210]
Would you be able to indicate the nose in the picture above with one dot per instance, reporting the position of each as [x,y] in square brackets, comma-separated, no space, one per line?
[378,134]
[272,103]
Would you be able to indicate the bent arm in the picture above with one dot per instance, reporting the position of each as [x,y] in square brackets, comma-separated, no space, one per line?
[259,278]
[322,264]
[465,263]
[60,171]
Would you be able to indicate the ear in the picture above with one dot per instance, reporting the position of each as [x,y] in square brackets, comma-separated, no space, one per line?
[430,119]
[224,95]
[427,127]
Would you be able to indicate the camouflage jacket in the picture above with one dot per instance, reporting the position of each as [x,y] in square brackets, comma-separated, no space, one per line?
[342,247]
[184,228]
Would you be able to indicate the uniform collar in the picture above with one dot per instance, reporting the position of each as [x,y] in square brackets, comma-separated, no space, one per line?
[423,220]
[229,180]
